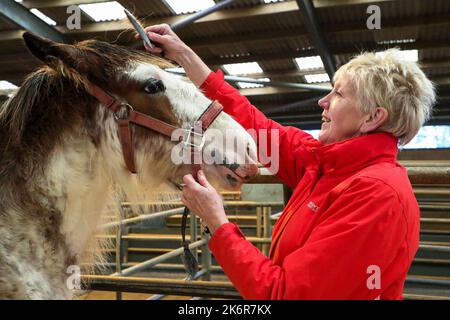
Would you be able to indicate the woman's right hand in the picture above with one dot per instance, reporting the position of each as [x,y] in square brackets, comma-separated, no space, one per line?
[172,47]
[165,41]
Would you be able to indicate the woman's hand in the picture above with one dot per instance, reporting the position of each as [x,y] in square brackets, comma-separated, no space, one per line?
[172,47]
[166,41]
[203,200]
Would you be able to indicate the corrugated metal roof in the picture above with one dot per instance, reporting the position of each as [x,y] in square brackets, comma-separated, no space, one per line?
[273,34]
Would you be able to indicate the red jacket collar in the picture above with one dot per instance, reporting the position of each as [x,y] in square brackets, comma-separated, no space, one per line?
[356,153]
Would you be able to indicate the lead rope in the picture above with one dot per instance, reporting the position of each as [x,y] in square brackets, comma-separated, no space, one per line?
[189,261]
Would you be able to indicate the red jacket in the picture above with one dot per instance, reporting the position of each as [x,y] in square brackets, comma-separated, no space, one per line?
[350,229]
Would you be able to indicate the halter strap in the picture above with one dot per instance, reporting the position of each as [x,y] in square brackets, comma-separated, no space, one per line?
[126,115]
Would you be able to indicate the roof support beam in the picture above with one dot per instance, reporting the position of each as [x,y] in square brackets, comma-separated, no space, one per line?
[320,88]
[317,3]
[295,106]
[317,35]
[28,21]
[198,15]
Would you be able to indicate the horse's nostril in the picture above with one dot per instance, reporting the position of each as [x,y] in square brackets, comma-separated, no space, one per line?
[232,179]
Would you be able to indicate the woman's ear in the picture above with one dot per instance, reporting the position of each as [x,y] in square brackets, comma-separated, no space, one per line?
[375,120]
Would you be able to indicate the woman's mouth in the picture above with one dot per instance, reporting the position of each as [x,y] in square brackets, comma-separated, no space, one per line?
[325,119]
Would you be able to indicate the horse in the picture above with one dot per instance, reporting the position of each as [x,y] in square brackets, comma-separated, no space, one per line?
[61,155]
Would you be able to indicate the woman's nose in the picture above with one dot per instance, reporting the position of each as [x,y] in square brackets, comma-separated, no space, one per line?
[324,103]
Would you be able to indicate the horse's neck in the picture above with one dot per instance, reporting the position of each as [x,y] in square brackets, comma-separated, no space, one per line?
[75,181]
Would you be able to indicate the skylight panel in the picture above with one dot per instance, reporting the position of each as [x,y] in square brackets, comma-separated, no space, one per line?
[314,78]
[43,17]
[407,55]
[6,85]
[104,11]
[308,63]
[249,85]
[242,68]
[396,41]
[183,6]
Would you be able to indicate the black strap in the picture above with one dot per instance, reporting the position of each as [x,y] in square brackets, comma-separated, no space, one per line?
[184,243]
[189,261]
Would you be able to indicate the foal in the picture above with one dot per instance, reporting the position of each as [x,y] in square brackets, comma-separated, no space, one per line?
[60,155]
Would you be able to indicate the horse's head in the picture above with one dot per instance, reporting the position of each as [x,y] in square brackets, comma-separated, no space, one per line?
[137,79]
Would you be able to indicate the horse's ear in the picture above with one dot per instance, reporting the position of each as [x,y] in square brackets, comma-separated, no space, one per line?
[47,50]
[41,48]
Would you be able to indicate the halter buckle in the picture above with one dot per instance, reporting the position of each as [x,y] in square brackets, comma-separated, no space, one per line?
[192,137]
[124,112]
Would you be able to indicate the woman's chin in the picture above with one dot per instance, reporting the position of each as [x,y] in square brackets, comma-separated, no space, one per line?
[323,136]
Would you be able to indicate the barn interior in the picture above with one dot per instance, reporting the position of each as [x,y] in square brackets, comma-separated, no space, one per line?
[281,55]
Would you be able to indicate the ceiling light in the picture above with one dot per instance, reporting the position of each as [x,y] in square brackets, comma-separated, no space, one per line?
[407,55]
[6,85]
[249,85]
[242,68]
[104,11]
[43,17]
[314,78]
[308,63]
[183,6]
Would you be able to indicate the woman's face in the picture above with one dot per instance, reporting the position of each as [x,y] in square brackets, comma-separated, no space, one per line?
[341,116]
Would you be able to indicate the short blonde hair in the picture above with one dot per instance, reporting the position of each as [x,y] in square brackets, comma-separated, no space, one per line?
[399,86]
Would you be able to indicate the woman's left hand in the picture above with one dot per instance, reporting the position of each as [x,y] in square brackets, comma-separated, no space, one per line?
[203,200]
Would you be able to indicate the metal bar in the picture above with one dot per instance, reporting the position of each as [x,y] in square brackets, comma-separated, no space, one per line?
[317,35]
[429,175]
[267,228]
[428,247]
[228,203]
[435,220]
[199,288]
[206,258]
[149,263]
[160,266]
[297,106]
[144,217]
[161,296]
[428,281]
[119,260]
[196,16]
[21,16]
[251,239]
[258,224]
[311,87]
[193,232]
[416,175]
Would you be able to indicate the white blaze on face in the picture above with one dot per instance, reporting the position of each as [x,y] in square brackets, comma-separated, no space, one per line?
[224,135]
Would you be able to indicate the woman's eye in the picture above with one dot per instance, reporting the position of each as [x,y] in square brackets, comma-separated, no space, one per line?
[153,86]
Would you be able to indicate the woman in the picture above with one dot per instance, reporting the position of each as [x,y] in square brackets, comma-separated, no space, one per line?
[351,227]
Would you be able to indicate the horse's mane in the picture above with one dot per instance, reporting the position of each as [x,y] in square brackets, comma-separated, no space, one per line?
[54,98]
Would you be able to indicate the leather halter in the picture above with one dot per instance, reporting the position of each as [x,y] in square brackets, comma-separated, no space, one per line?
[125,115]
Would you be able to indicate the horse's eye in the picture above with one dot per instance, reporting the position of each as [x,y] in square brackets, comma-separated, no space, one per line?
[153,86]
